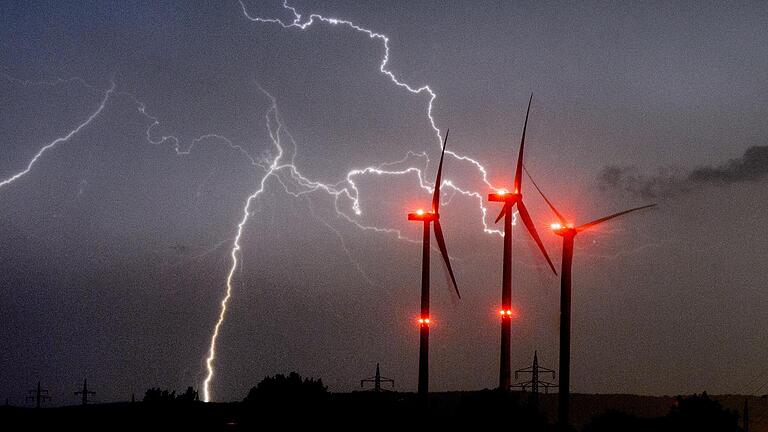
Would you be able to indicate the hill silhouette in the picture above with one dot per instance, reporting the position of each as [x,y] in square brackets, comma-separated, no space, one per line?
[291,401]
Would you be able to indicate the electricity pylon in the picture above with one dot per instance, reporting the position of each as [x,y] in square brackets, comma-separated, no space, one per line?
[84,392]
[535,382]
[377,380]
[38,395]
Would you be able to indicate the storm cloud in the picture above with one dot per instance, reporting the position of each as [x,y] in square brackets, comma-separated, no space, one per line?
[750,167]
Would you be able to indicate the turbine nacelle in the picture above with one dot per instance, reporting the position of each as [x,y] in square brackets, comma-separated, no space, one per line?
[423,215]
[504,195]
[564,229]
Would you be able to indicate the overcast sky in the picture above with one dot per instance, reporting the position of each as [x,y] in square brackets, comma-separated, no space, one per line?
[165,117]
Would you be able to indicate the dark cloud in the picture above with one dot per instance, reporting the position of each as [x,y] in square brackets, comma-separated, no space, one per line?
[751,167]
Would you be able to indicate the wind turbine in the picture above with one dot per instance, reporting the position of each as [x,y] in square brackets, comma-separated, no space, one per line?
[568,231]
[511,199]
[427,218]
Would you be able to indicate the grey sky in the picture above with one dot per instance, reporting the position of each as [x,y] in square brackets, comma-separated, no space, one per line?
[116,244]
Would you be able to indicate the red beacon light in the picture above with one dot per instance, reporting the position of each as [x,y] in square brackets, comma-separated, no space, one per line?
[562,229]
[424,321]
[507,313]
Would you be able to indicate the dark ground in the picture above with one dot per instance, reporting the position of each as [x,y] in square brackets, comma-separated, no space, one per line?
[391,410]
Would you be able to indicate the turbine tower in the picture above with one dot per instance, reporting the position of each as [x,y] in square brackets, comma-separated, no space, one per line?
[510,199]
[84,393]
[427,218]
[377,380]
[568,231]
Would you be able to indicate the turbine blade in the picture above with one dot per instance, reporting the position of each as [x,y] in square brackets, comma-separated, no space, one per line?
[438,179]
[615,215]
[528,222]
[441,244]
[519,171]
[551,206]
[501,214]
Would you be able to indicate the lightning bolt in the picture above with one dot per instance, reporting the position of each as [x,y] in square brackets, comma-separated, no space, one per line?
[62,139]
[234,254]
[346,189]
[281,166]
[297,23]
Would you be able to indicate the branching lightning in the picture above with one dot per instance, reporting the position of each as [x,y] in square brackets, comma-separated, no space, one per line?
[353,192]
[280,166]
[349,190]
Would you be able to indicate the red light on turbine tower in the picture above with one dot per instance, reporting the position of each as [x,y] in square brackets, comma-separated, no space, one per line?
[507,313]
[424,321]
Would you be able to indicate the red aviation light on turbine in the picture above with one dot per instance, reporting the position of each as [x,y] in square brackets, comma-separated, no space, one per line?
[562,229]
[422,215]
[425,321]
[507,313]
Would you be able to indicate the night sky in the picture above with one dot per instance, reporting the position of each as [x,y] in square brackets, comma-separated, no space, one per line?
[116,245]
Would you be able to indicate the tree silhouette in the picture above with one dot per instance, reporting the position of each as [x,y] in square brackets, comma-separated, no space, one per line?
[700,413]
[697,413]
[292,388]
[156,395]
[188,396]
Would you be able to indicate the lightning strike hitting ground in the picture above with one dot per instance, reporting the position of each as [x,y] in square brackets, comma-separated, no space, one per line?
[345,193]
[350,191]
[225,300]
